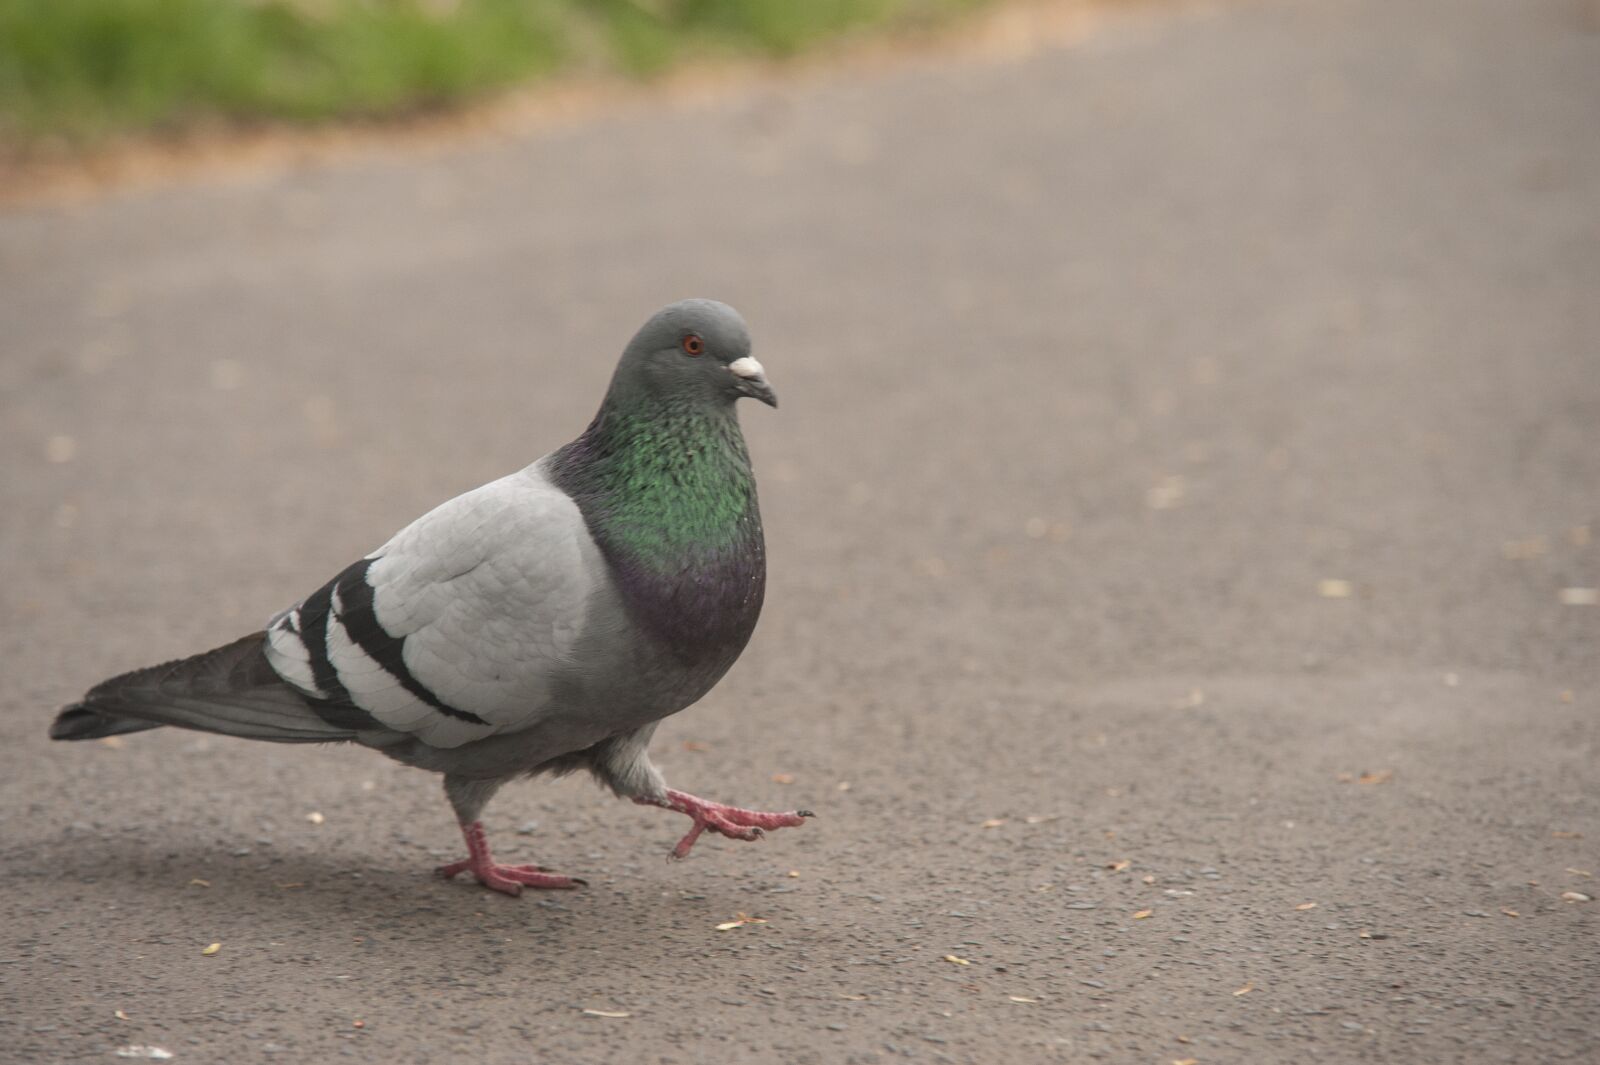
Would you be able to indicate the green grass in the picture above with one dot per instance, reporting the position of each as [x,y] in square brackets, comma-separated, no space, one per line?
[77,70]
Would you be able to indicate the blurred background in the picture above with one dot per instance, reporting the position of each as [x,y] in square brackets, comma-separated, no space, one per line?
[88,69]
[1182,518]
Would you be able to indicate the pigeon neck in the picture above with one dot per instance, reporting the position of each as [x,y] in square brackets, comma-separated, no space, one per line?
[662,485]
[670,500]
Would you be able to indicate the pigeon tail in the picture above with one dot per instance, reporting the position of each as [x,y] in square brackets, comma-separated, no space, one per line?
[78,722]
[231,690]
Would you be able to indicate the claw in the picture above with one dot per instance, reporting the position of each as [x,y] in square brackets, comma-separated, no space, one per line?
[506,879]
[730,821]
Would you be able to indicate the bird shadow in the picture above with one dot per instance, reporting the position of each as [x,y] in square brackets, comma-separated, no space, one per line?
[409,912]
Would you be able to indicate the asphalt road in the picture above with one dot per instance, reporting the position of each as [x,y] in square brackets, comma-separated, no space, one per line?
[1100,369]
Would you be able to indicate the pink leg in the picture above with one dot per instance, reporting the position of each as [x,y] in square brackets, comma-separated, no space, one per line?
[731,821]
[507,878]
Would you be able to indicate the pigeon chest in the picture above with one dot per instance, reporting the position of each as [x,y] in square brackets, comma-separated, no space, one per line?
[699,614]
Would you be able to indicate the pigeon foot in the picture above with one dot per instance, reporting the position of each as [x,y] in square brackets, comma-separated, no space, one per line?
[508,879]
[731,821]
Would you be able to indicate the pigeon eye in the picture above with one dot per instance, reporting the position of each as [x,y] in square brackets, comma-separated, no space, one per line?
[693,345]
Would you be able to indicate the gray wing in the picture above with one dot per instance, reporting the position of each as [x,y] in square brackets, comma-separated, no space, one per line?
[458,628]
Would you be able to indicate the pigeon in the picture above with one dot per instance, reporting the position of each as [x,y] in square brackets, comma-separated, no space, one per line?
[545,622]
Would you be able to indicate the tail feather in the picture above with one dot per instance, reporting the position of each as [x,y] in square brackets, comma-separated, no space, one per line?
[77,722]
[232,690]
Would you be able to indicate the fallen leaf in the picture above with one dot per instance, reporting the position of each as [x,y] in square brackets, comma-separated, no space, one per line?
[993,822]
[1306,906]
[1334,588]
[1185,1040]
[1142,914]
[212,949]
[1523,550]
[740,919]
[1119,865]
[1245,990]
[1376,776]
[315,817]
[358,1023]
[1580,872]
[1166,494]
[197,882]
[1150,879]
[1020,998]
[61,448]
[1575,896]
[137,1051]
[1509,913]
[783,778]
[1040,819]
[120,1015]
[953,960]
[607,1013]
[794,872]
[1345,778]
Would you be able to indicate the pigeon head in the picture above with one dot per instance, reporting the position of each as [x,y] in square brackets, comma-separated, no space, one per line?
[694,351]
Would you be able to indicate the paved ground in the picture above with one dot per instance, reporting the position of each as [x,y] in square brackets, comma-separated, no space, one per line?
[1094,365]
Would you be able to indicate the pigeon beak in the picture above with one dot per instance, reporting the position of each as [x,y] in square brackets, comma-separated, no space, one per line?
[751,380]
